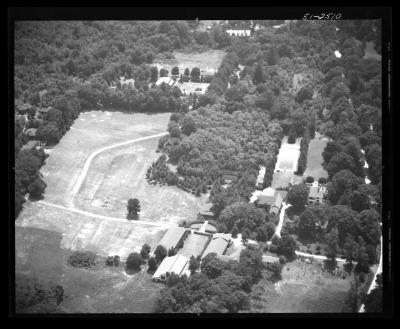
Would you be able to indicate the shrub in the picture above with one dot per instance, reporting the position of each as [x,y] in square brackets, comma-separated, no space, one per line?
[85,259]
[322,180]
[310,179]
[282,259]
[110,261]
[152,264]
[134,261]
[116,260]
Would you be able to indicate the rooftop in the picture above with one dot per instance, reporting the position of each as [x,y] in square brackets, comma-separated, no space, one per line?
[217,245]
[176,264]
[172,237]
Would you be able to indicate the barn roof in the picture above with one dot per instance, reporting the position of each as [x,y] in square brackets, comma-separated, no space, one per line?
[172,237]
[217,245]
[171,264]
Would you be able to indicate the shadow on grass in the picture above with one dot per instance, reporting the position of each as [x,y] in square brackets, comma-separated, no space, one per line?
[132,271]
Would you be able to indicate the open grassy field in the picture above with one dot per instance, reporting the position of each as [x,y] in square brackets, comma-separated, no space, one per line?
[98,290]
[81,232]
[304,288]
[210,59]
[91,131]
[314,158]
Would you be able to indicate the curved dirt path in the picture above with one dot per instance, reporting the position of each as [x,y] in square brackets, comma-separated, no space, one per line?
[82,212]
[88,161]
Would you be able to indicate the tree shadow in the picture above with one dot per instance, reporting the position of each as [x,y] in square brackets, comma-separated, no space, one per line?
[131,271]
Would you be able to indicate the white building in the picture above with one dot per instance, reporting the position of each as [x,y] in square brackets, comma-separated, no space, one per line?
[176,264]
[239,33]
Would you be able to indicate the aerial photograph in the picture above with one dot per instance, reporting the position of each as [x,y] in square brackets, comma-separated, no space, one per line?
[198,166]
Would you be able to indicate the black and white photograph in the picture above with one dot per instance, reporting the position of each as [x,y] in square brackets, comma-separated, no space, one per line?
[200,166]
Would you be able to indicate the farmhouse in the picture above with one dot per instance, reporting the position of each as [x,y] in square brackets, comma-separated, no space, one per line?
[173,237]
[272,199]
[175,264]
[316,195]
[218,244]
[260,178]
[239,33]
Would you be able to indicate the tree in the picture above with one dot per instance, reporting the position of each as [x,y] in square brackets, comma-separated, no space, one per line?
[322,180]
[350,248]
[188,125]
[272,56]
[340,162]
[234,231]
[152,264]
[292,135]
[259,75]
[287,247]
[49,133]
[133,208]
[353,296]
[309,179]
[250,264]
[163,72]
[134,261]
[195,74]
[298,196]
[343,183]
[171,252]
[145,251]
[211,266]
[36,189]
[331,149]
[154,74]
[304,94]
[175,70]
[160,253]
[187,72]
[332,241]
[175,132]
[373,302]
[193,264]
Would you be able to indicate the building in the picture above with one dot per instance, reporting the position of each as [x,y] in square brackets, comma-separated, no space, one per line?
[271,198]
[218,244]
[316,195]
[167,80]
[270,259]
[174,264]
[206,213]
[127,82]
[239,33]
[173,237]
[260,178]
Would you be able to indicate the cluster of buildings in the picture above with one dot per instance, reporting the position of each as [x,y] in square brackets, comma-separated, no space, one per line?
[317,193]
[179,264]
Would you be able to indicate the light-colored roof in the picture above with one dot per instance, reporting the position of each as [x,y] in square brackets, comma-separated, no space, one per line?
[270,259]
[217,245]
[31,132]
[315,192]
[261,174]
[172,237]
[171,264]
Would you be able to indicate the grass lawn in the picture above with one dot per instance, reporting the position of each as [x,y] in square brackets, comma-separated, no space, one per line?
[102,289]
[304,288]
[208,59]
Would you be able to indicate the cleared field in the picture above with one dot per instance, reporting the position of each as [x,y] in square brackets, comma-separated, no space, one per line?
[98,290]
[193,245]
[80,232]
[304,288]
[119,174]
[91,131]
[314,158]
[207,60]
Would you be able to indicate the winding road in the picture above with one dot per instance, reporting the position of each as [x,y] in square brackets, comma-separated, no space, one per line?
[82,177]
[86,166]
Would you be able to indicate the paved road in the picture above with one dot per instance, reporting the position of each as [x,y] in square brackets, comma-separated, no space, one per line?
[373,283]
[161,225]
[319,257]
[82,176]
[281,218]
